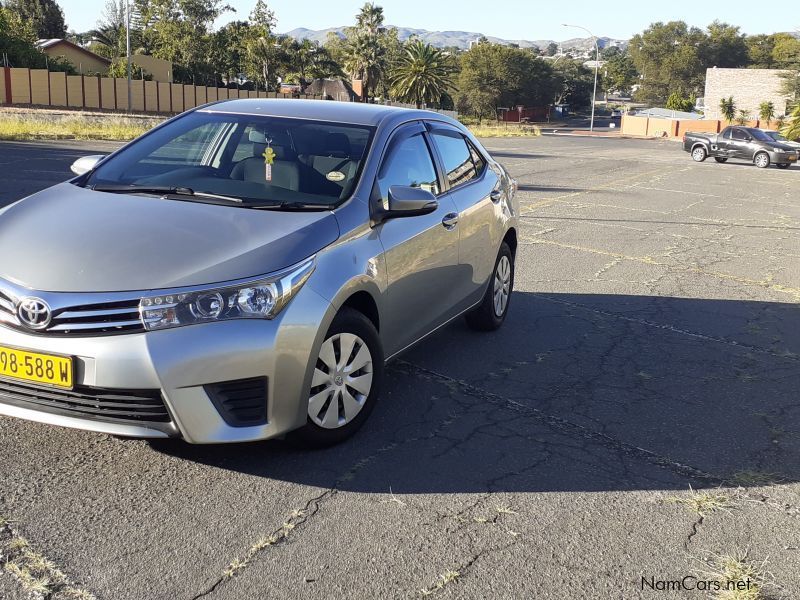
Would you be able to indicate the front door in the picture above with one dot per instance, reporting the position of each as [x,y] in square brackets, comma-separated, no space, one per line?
[422,251]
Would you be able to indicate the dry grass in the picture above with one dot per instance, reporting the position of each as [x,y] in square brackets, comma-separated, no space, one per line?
[737,577]
[108,127]
[444,579]
[485,131]
[704,503]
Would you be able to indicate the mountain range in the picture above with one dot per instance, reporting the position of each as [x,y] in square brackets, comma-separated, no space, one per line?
[458,39]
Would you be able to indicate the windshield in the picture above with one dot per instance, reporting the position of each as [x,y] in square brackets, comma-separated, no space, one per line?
[760,135]
[259,160]
[776,136]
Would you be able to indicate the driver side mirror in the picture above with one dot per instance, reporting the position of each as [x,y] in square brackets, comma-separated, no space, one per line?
[86,163]
[406,201]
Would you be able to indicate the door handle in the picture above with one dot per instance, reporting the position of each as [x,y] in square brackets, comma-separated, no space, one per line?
[496,195]
[450,220]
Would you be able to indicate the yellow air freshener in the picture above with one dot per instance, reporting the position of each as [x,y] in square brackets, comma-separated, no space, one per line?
[269,158]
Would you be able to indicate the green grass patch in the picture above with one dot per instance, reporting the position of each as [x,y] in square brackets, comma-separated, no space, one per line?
[112,128]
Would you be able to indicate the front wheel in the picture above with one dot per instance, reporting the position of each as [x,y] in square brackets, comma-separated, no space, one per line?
[720,159]
[492,311]
[346,383]
[783,166]
[699,154]
[761,160]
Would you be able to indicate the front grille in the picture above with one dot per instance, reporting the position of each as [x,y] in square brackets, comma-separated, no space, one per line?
[132,407]
[242,402]
[87,319]
[110,317]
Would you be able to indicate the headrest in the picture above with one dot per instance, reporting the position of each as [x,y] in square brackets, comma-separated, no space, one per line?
[337,144]
[257,137]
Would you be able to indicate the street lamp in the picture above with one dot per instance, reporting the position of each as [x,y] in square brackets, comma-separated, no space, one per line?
[596,65]
[128,46]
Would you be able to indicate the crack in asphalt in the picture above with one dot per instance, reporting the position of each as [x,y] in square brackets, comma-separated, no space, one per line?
[671,328]
[277,537]
[695,530]
[38,576]
[570,428]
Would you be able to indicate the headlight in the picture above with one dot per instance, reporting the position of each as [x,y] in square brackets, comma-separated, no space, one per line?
[258,299]
[780,150]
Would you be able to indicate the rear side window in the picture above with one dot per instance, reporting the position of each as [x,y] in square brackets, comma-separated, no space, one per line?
[408,163]
[458,157]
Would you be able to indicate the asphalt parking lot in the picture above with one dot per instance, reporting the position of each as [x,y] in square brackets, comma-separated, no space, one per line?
[635,419]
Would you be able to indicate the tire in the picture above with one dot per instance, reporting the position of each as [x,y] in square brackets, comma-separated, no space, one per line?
[720,159]
[761,160]
[328,423]
[783,166]
[492,311]
[699,154]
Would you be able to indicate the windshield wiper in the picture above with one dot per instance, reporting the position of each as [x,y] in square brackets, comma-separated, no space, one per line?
[293,206]
[162,189]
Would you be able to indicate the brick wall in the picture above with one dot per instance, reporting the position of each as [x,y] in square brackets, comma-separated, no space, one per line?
[749,88]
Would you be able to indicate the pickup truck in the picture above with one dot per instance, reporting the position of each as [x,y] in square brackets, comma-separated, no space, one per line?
[746,143]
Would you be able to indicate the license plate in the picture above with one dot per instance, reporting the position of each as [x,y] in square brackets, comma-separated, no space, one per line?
[792,158]
[35,367]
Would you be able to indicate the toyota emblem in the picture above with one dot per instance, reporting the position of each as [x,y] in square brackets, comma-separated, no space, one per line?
[34,313]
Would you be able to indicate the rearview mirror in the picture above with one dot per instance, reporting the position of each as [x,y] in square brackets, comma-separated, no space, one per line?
[86,163]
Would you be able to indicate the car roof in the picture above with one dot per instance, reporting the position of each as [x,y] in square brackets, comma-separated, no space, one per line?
[321,110]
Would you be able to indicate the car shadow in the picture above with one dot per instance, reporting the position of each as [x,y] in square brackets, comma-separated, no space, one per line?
[524,187]
[576,392]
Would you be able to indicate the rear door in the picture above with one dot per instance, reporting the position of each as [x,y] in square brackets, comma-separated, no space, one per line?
[475,190]
[422,251]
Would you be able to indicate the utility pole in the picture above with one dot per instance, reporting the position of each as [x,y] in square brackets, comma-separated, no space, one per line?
[128,46]
[596,66]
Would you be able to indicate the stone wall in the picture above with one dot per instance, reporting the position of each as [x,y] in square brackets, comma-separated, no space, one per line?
[749,88]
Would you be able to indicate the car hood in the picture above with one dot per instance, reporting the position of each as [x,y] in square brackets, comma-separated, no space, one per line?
[71,239]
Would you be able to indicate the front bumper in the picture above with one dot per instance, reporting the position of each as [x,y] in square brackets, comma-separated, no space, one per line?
[180,362]
[783,158]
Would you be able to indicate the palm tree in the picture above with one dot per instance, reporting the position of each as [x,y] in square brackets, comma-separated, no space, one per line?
[364,51]
[422,75]
[727,107]
[743,117]
[792,127]
[766,112]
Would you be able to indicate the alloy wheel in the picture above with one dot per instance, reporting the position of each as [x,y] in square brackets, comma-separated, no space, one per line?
[502,285]
[342,381]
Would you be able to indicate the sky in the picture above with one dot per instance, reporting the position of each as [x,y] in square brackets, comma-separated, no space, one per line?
[510,19]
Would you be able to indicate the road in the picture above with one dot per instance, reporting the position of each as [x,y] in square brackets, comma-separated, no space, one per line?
[647,375]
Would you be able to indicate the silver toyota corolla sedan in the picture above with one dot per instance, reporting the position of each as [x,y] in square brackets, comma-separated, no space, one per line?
[246,269]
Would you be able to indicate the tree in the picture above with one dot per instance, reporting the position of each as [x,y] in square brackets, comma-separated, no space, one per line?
[766,111]
[759,51]
[228,50]
[422,75]
[620,74]
[669,59]
[677,102]
[17,40]
[574,83]
[44,16]
[552,49]
[366,49]
[743,117]
[727,106]
[792,127]
[790,86]
[494,76]
[786,51]
[724,47]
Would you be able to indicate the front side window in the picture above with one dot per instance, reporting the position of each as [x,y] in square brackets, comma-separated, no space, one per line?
[740,135]
[408,163]
[256,159]
[456,156]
